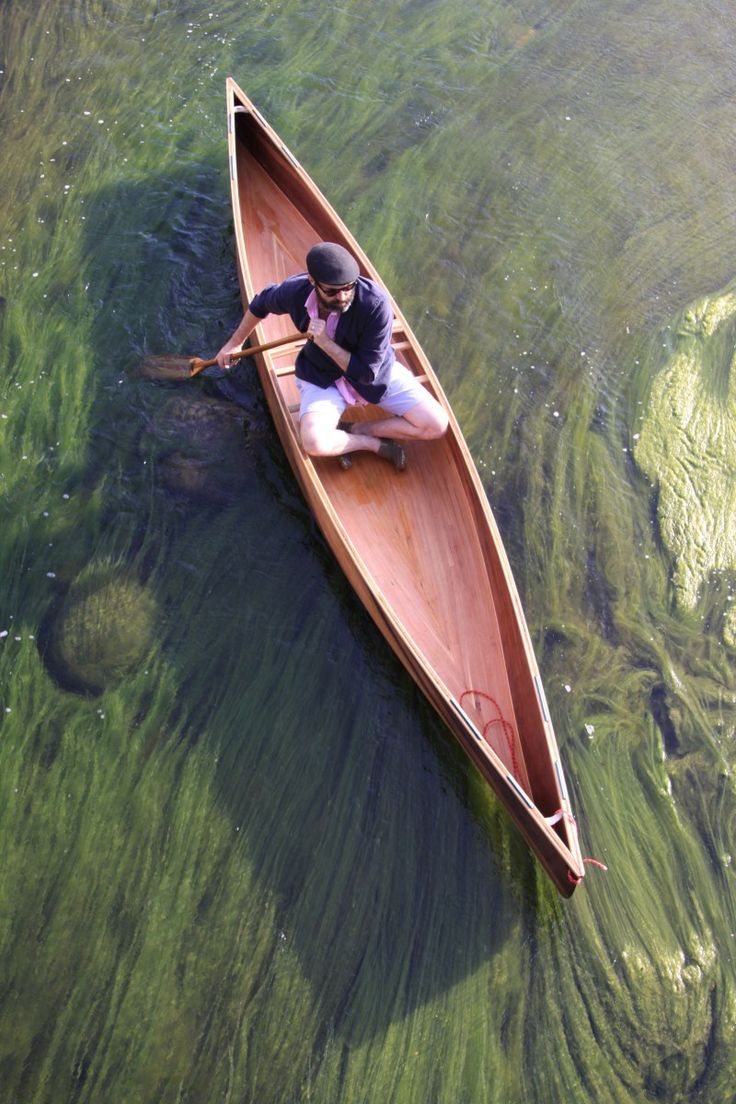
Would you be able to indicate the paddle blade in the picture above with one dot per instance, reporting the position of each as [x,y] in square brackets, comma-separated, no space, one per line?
[163,368]
[196,365]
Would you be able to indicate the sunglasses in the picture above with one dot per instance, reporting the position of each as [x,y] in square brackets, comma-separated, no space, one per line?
[331,292]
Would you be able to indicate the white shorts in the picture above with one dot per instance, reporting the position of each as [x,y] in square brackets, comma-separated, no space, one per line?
[402,393]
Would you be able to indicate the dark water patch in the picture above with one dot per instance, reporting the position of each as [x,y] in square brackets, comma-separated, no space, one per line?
[46,746]
[712,1064]
[555,636]
[506,502]
[600,596]
[599,421]
[662,713]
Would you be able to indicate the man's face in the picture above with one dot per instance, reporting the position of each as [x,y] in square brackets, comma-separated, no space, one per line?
[335,297]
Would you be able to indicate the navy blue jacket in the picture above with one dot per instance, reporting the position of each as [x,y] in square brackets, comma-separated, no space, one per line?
[364,330]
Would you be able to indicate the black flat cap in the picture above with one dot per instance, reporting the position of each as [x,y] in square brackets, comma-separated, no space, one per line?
[328,263]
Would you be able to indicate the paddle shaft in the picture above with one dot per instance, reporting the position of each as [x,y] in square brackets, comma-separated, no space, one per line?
[196,364]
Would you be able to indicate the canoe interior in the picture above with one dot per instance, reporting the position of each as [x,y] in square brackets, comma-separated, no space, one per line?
[421,547]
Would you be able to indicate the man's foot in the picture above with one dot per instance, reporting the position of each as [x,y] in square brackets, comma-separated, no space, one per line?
[394,453]
[346,461]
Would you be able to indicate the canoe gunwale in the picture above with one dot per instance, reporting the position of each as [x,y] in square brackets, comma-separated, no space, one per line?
[556,845]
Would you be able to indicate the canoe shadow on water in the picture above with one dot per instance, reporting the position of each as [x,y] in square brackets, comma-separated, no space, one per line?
[394,875]
[363,821]
[360,814]
[364,818]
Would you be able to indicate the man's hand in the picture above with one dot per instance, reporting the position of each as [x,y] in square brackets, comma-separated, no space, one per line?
[317,332]
[245,328]
[224,357]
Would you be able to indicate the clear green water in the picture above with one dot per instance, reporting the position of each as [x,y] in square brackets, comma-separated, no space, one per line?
[256,868]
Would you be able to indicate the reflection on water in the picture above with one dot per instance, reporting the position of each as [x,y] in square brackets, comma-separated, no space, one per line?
[255,867]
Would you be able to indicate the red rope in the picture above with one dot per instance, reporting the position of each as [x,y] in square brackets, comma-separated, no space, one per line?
[568,816]
[506,726]
[575,880]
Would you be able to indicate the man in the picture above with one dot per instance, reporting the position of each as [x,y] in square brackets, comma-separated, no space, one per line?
[347,360]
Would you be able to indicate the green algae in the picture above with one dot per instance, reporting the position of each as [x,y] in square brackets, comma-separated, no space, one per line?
[105,992]
[686,446]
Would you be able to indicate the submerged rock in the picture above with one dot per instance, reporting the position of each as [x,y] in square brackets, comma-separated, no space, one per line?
[101,631]
[687,446]
[198,447]
[204,424]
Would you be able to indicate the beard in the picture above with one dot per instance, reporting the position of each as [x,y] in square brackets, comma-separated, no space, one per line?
[339,305]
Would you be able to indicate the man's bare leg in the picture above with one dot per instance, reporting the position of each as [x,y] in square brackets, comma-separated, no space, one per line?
[424,422]
[320,436]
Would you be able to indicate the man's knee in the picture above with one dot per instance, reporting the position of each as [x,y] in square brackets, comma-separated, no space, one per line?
[431,420]
[316,438]
[439,423]
[311,440]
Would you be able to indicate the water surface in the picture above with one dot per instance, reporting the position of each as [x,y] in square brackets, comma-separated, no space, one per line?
[255,867]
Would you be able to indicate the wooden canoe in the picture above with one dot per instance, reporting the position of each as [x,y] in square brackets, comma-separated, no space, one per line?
[421,548]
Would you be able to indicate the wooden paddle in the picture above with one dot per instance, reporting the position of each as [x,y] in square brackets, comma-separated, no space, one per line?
[178,368]
[196,365]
